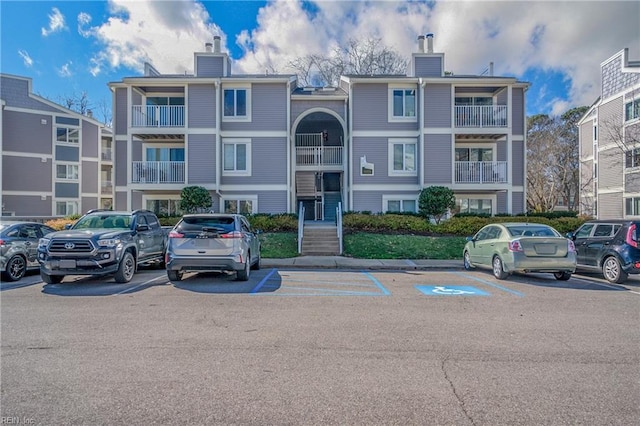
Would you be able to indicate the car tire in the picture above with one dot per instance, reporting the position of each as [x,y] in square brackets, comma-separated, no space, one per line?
[612,270]
[174,275]
[498,268]
[562,276]
[467,261]
[256,266]
[51,279]
[15,268]
[243,274]
[126,269]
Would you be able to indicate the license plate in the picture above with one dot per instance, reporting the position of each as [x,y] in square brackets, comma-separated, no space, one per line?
[548,249]
[67,264]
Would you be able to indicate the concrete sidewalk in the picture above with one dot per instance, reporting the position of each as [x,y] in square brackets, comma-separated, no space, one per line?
[340,262]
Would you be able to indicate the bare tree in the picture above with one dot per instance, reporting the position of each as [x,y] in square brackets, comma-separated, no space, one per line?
[359,57]
[77,102]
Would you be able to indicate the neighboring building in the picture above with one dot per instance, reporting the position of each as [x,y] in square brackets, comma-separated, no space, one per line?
[609,135]
[55,162]
[260,144]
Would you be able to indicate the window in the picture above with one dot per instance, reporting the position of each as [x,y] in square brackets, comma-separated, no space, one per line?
[632,206]
[66,208]
[236,103]
[67,171]
[240,205]
[164,207]
[236,158]
[584,231]
[403,103]
[474,154]
[632,158]
[165,154]
[468,100]
[67,135]
[632,110]
[475,206]
[400,205]
[402,157]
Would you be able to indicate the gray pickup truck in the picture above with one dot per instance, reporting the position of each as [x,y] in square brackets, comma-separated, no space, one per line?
[103,242]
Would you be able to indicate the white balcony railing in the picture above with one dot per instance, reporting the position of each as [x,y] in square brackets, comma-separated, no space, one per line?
[481,116]
[157,116]
[480,172]
[106,187]
[319,156]
[157,172]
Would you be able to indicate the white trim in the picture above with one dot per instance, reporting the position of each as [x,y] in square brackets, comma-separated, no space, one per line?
[240,197]
[254,188]
[387,133]
[399,197]
[28,193]
[478,196]
[252,134]
[237,141]
[386,188]
[67,179]
[235,87]
[401,141]
[391,87]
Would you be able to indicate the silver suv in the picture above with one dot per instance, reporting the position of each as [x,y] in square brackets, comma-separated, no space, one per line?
[212,242]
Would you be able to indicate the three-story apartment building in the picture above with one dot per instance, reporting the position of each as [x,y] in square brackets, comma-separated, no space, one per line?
[609,141]
[55,162]
[260,143]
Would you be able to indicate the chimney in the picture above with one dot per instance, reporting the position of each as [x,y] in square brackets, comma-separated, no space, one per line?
[491,69]
[420,44]
[216,44]
[430,43]
[208,46]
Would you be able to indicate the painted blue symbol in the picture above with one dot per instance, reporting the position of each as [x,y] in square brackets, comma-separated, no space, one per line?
[451,290]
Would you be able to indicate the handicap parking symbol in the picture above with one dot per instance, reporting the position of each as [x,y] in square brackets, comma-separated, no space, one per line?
[450,290]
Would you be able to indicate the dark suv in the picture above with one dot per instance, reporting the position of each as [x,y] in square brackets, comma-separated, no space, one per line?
[609,246]
[103,242]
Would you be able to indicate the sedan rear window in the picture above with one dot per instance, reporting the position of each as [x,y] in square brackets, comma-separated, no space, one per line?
[219,224]
[532,231]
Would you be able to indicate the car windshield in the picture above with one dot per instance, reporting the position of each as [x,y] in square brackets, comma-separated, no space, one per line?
[103,221]
[532,231]
[198,223]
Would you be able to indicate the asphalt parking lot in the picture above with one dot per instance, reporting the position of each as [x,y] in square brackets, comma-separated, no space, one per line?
[304,346]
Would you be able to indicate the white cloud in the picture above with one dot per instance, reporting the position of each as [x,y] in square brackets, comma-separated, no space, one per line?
[84,19]
[26,59]
[56,23]
[65,70]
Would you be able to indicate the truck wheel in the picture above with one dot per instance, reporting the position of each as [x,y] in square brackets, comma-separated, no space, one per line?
[174,275]
[126,269]
[51,279]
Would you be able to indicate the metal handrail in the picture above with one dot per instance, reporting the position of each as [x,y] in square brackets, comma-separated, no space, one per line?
[300,227]
[339,226]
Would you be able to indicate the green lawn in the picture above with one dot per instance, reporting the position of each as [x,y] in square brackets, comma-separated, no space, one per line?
[372,246]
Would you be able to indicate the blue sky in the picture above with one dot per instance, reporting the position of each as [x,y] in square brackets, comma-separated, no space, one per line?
[70,47]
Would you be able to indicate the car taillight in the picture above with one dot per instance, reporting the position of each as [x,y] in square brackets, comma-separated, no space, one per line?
[234,234]
[631,236]
[572,246]
[175,234]
[515,246]
[1,243]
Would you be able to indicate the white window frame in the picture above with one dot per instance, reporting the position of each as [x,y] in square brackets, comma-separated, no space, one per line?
[392,171]
[635,110]
[67,127]
[237,141]
[491,198]
[404,118]
[490,145]
[160,197]
[67,178]
[235,88]
[238,198]
[163,145]
[399,197]
[74,205]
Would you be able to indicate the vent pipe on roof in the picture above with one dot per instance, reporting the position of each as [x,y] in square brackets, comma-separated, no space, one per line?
[208,47]
[216,44]
[430,43]
[420,44]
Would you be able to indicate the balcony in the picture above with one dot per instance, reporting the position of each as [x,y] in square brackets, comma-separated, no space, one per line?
[480,116]
[106,187]
[327,156]
[480,172]
[158,172]
[157,116]
[106,154]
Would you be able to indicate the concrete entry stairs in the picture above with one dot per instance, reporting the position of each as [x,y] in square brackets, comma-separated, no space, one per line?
[320,238]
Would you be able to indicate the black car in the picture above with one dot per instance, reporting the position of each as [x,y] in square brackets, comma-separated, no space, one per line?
[609,246]
[19,247]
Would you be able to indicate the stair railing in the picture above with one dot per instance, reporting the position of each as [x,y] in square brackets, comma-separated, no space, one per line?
[300,227]
[339,226]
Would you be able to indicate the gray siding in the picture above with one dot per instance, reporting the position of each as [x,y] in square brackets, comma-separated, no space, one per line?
[27,205]
[438,159]
[371,108]
[427,66]
[120,201]
[437,105]
[586,176]
[90,140]
[202,105]
[209,66]
[376,149]
[15,92]
[610,161]
[518,203]
[89,177]
[120,112]
[268,109]
[267,163]
[120,163]
[136,151]
[67,153]
[517,113]
[22,132]
[88,203]
[367,201]
[67,190]
[614,80]
[632,182]
[610,206]
[518,171]
[300,106]
[136,200]
[501,203]
[18,174]
[202,159]
[586,139]
[501,148]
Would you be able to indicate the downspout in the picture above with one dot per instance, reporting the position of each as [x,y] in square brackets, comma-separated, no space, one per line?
[421,111]
[510,153]
[218,87]
[290,208]
[345,156]
[350,126]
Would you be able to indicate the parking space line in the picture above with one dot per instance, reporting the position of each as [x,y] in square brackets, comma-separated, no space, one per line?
[377,283]
[140,285]
[263,281]
[606,285]
[499,287]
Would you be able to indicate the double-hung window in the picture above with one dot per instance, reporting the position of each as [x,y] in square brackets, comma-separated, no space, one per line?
[241,205]
[632,158]
[237,104]
[402,157]
[403,104]
[236,157]
[67,130]
[399,203]
[66,208]
[67,171]
[632,110]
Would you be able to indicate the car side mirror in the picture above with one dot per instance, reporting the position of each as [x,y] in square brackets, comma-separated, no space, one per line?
[142,228]
[571,236]
[67,226]
[470,239]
